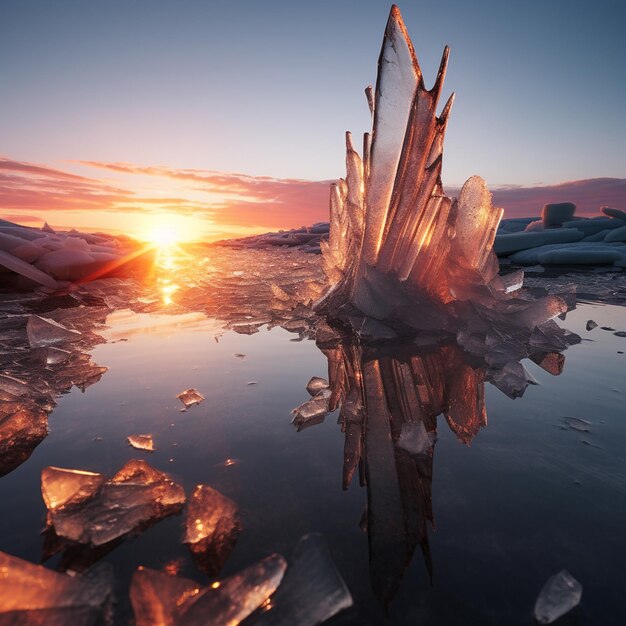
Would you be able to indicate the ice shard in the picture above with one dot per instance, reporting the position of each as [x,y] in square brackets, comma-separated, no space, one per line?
[23,426]
[561,593]
[86,508]
[141,442]
[32,595]
[189,397]
[402,257]
[312,591]
[212,528]
[159,599]
[44,332]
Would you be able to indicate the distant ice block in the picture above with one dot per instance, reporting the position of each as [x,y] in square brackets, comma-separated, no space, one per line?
[556,213]
[47,257]
[561,593]
[159,598]
[31,595]
[212,528]
[85,507]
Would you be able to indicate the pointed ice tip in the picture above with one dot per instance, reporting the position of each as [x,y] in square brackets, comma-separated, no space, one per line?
[445,113]
[349,144]
[369,94]
[441,74]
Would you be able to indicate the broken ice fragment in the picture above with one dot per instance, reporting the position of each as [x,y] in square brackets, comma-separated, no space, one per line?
[160,599]
[189,397]
[85,508]
[212,528]
[316,384]
[43,332]
[620,333]
[141,442]
[312,591]
[560,594]
[590,325]
[22,429]
[33,595]
[311,412]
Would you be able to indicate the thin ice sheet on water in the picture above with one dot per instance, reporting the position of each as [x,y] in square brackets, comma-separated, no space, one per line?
[212,528]
[86,508]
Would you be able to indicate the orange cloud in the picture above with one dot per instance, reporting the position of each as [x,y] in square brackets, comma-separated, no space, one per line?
[257,201]
[227,202]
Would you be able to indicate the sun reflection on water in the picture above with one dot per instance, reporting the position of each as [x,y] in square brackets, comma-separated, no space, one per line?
[168,261]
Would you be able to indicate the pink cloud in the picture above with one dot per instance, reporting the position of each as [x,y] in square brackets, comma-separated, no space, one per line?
[257,201]
[235,199]
[588,195]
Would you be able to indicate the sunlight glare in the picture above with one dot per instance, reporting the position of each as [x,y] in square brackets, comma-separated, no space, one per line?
[163,236]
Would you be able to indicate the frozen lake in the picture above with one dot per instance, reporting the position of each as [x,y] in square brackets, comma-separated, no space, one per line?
[540,488]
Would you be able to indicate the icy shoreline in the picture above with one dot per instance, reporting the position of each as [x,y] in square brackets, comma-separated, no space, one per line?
[525,241]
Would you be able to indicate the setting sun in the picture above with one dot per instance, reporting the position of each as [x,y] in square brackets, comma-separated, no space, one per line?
[163,236]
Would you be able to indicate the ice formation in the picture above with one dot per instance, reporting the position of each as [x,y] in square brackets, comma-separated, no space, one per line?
[33,595]
[402,257]
[41,256]
[561,593]
[212,528]
[86,508]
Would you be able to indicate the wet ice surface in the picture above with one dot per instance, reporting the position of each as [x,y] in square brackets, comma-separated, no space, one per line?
[541,488]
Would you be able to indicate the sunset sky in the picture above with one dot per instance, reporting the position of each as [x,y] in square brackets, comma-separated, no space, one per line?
[227,118]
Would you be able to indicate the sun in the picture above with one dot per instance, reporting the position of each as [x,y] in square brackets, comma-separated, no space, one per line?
[162,235]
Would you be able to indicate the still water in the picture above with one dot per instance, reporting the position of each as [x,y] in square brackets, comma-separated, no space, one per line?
[528,497]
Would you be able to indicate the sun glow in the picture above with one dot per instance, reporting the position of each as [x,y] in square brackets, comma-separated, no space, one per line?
[163,235]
